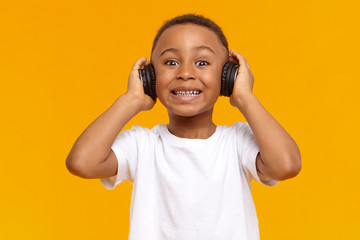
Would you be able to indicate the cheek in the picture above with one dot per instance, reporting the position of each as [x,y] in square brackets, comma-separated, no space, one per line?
[212,79]
[162,84]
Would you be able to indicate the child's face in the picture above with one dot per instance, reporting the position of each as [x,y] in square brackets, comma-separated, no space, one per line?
[187,58]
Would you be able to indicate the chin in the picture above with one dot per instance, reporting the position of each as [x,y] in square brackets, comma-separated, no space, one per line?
[188,112]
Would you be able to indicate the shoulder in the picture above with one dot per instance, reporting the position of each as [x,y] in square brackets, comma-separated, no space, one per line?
[242,133]
[158,129]
[238,127]
[139,131]
[243,126]
[138,136]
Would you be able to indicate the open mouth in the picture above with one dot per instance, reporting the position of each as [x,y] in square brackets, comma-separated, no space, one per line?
[186,93]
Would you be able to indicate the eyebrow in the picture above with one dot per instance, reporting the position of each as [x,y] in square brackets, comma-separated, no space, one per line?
[198,48]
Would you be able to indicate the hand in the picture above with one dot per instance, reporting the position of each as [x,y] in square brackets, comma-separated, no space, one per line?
[244,81]
[136,89]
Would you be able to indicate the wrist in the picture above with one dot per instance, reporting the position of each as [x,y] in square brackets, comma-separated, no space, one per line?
[242,100]
[131,102]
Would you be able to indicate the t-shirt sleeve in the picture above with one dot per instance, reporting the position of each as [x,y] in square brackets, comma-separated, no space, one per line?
[125,148]
[248,151]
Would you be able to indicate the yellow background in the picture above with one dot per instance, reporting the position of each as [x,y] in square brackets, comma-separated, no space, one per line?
[63,63]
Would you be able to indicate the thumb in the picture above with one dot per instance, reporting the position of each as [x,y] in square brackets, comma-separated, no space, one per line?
[138,64]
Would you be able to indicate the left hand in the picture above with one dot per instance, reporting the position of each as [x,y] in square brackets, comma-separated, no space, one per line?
[244,80]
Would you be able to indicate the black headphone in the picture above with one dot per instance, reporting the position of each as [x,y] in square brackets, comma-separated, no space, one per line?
[228,77]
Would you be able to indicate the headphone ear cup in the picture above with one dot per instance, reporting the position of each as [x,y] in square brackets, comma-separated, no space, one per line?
[148,79]
[223,79]
[228,77]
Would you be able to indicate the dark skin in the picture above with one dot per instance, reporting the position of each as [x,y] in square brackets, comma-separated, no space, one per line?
[188,61]
[194,62]
[199,68]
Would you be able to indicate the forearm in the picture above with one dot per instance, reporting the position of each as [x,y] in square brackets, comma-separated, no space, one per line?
[279,152]
[94,144]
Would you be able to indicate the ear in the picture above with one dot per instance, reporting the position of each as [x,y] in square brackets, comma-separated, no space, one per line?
[234,60]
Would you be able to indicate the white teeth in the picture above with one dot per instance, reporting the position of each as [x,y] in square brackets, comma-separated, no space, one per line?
[186,93]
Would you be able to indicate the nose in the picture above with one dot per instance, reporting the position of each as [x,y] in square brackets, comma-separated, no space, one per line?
[186,71]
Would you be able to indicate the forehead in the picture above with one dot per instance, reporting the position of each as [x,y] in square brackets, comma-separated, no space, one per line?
[188,36]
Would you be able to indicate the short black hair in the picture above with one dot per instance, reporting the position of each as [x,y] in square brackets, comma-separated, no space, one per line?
[195,19]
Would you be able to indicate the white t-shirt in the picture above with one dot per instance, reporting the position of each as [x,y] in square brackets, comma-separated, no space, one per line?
[189,189]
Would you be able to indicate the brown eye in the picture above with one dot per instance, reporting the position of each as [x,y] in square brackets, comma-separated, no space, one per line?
[201,63]
[171,62]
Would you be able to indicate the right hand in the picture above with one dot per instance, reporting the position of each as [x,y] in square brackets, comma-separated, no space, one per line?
[136,89]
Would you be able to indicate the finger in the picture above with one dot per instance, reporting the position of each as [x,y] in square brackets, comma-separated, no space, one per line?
[241,59]
[139,63]
[234,60]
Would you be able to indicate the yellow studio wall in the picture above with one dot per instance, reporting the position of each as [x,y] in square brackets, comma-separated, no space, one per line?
[63,63]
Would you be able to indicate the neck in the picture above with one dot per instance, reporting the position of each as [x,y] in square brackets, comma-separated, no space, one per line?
[195,127]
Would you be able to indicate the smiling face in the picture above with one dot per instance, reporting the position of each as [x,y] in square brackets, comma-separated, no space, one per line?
[188,61]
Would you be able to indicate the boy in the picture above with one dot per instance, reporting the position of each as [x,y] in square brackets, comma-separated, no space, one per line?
[191,179]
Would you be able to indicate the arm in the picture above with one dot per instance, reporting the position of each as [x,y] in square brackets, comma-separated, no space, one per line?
[90,156]
[279,156]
